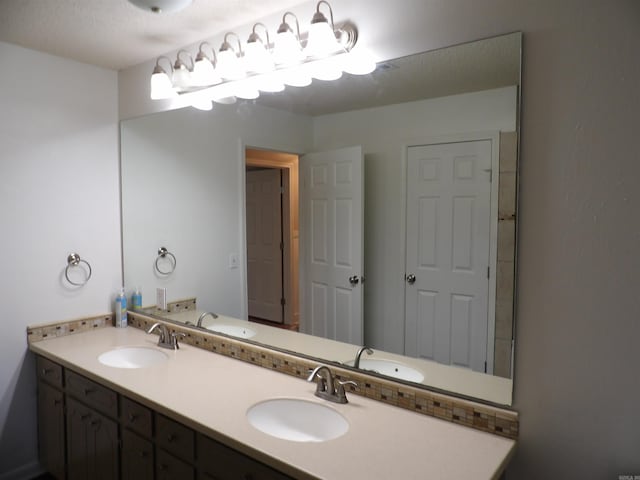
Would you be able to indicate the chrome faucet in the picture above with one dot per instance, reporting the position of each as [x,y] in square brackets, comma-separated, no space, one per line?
[213,315]
[356,363]
[167,339]
[327,386]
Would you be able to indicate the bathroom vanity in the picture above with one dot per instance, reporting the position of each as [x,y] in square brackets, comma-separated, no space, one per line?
[186,417]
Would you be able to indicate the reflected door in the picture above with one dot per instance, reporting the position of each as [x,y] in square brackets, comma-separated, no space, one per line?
[264,244]
[447,255]
[331,244]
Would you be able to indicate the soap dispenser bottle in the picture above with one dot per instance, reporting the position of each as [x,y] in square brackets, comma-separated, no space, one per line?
[121,309]
[136,299]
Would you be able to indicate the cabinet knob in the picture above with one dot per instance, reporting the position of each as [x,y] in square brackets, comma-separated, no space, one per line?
[171,437]
[46,371]
[87,391]
[132,417]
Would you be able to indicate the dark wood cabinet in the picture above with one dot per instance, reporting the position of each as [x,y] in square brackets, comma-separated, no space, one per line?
[92,443]
[219,462]
[137,457]
[51,429]
[88,431]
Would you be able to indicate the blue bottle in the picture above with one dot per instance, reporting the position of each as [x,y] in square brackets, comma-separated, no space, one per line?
[121,310]
[136,299]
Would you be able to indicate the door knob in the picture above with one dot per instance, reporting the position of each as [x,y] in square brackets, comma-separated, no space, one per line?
[353,280]
[411,279]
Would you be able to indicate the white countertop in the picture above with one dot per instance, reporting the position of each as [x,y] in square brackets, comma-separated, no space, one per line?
[212,393]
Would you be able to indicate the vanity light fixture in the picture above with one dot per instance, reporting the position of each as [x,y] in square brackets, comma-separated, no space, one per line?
[263,66]
[229,61]
[161,85]
[204,72]
[322,40]
[182,72]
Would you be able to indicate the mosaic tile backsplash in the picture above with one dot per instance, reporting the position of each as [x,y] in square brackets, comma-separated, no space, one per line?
[463,412]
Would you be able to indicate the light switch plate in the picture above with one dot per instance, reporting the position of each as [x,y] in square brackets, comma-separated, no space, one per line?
[161,298]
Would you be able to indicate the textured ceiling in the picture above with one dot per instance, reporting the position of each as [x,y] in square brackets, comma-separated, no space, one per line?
[114,33]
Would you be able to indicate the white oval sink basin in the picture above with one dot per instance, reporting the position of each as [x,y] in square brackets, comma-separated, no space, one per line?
[232,330]
[390,369]
[297,420]
[133,357]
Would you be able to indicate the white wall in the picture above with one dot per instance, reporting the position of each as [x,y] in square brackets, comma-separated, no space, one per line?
[383,132]
[58,194]
[577,323]
[182,189]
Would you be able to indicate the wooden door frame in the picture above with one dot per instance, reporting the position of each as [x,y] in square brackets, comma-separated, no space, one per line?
[494,137]
[288,163]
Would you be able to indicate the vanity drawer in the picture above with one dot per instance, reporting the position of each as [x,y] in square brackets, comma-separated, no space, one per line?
[49,371]
[175,437]
[136,417]
[219,462]
[91,393]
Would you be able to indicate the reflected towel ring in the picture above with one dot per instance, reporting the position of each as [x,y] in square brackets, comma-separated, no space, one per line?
[74,260]
[162,253]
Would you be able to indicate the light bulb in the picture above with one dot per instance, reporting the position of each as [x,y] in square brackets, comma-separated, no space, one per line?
[204,74]
[322,40]
[287,49]
[257,58]
[161,86]
[358,62]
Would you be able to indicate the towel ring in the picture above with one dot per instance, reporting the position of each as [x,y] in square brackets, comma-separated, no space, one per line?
[162,253]
[74,260]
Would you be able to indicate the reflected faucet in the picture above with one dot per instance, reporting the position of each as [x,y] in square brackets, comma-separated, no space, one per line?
[356,363]
[213,315]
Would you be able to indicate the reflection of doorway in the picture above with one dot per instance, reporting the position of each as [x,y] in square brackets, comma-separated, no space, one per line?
[448,299]
[272,237]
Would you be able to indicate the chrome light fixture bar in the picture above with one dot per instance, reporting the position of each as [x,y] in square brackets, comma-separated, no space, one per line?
[237,72]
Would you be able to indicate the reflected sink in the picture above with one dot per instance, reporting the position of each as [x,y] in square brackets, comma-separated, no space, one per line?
[297,420]
[390,369]
[232,330]
[133,357]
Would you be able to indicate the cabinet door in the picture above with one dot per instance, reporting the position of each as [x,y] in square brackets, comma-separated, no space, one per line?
[219,462]
[92,444]
[172,468]
[137,457]
[51,430]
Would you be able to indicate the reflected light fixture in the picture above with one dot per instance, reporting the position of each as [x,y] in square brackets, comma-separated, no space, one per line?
[263,66]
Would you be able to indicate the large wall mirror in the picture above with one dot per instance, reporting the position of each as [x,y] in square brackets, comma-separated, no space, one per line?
[374,211]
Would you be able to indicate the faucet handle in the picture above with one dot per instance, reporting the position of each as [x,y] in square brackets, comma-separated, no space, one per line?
[340,391]
[174,339]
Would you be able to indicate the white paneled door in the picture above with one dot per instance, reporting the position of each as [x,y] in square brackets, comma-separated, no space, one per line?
[264,244]
[331,244]
[447,252]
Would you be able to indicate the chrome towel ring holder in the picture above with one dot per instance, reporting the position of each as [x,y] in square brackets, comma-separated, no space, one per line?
[74,260]
[163,253]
